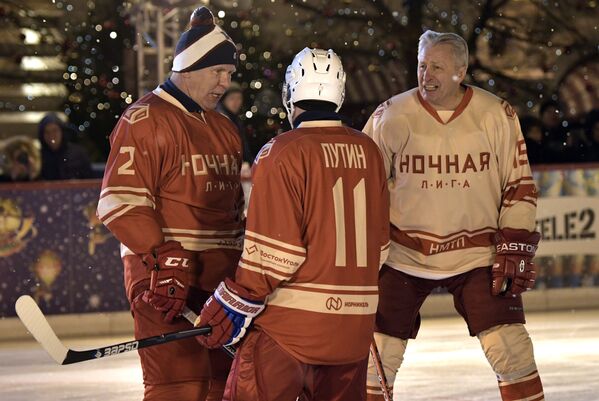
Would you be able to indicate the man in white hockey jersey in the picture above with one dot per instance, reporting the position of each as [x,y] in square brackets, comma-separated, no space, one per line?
[463,206]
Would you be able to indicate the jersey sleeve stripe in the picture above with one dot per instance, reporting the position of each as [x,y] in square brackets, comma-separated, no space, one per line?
[274,242]
[263,271]
[261,242]
[268,256]
[125,189]
[513,203]
[111,202]
[520,192]
[520,180]
[109,217]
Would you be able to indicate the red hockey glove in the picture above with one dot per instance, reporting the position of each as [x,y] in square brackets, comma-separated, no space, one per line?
[229,311]
[169,278]
[513,271]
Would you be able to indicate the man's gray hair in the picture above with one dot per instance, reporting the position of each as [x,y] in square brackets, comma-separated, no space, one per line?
[457,43]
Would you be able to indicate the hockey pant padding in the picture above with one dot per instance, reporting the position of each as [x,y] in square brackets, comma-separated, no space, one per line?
[391,350]
[509,350]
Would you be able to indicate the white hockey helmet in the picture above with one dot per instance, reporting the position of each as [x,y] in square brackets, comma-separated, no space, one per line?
[314,74]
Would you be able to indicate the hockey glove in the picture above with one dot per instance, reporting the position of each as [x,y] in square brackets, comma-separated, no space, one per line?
[229,311]
[170,266]
[513,271]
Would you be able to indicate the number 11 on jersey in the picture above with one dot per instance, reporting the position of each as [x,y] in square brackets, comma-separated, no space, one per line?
[359,215]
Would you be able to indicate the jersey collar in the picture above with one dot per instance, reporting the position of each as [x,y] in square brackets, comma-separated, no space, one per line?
[177,97]
[461,107]
[312,115]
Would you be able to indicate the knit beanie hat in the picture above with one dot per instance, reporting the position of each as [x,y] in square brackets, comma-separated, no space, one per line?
[203,45]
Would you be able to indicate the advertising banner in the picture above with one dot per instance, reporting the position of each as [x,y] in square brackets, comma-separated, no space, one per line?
[568,225]
[53,248]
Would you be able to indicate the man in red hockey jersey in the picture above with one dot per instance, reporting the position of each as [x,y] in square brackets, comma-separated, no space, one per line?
[317,232]
[463,206]
[171,195]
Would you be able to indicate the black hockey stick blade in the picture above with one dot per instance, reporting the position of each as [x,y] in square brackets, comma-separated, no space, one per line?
[36,323]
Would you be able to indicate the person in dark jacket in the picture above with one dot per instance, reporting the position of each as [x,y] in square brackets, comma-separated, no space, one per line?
[591,152]
[558,140]
[230,106]
[532,129]
[61,159]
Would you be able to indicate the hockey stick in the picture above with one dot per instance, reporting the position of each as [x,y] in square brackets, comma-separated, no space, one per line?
[380,372]
[35,321]
[192,317]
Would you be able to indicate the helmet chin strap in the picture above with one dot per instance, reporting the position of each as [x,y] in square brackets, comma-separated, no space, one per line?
[290,112]
[289,107]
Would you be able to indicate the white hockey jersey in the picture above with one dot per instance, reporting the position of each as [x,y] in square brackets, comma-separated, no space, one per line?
[454,183]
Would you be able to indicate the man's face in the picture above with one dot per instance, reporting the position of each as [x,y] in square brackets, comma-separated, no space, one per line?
[233,102]
[439,78]
[53,135]
[206,86]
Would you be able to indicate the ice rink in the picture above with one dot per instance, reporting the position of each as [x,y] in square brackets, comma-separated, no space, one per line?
[442,364]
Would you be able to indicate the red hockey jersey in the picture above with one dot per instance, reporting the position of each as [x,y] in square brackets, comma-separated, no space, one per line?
[317,233]
[173,174]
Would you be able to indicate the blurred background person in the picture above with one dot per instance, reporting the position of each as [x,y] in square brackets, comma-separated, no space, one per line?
[532,129]
[61,159]
[19,159]
[591,152]
[555,135]
[230,106]
[563,139]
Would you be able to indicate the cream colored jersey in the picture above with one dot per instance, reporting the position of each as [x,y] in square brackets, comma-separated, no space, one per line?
[453,183]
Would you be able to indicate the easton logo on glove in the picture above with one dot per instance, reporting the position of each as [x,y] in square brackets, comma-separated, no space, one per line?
[516,246]
[513,271]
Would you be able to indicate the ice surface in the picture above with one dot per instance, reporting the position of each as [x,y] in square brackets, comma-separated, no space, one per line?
[444,363]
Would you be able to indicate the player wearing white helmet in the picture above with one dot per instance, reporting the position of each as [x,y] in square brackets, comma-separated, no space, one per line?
[309,270]
[314,75]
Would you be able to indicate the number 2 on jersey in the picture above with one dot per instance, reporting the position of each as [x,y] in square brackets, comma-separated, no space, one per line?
[359,214]
[125,168]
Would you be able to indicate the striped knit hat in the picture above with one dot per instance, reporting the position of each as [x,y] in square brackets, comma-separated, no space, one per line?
[203,45]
